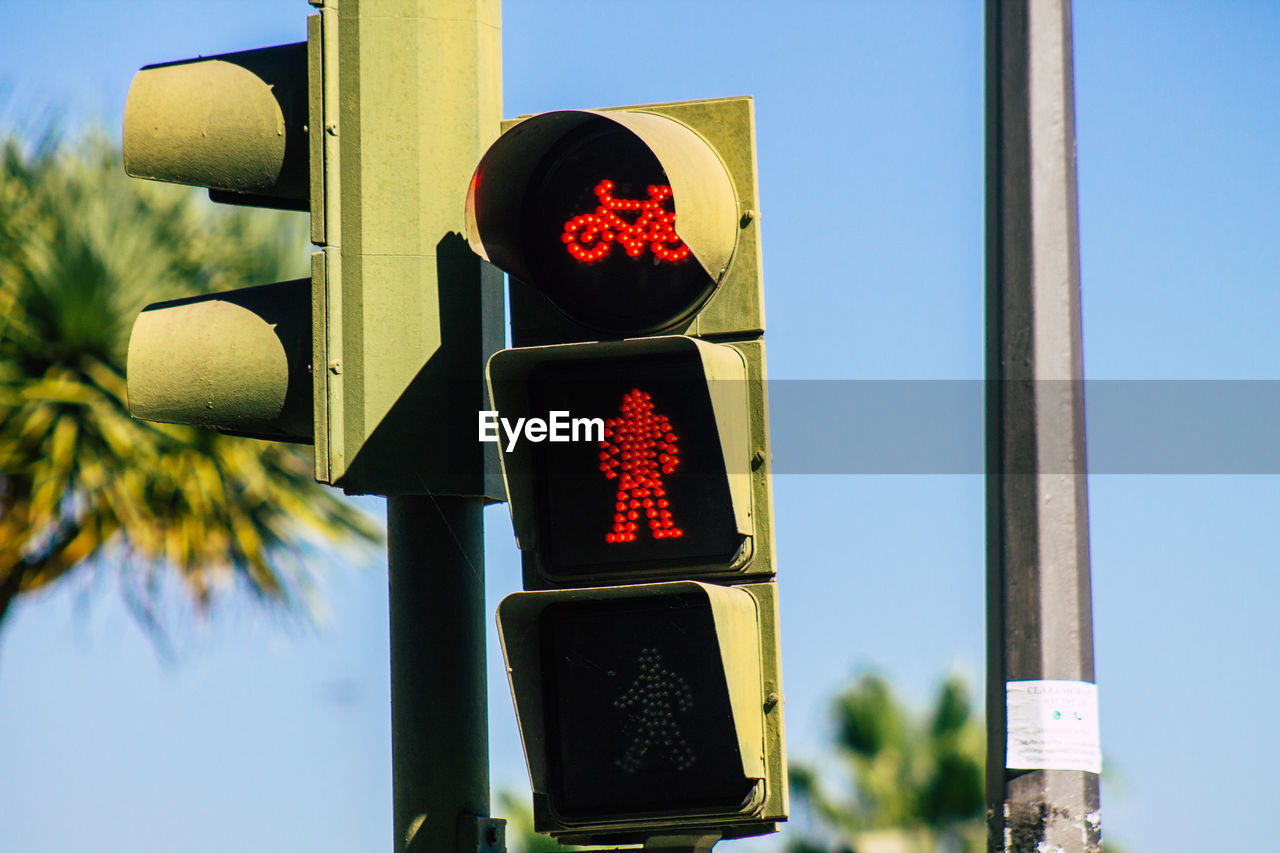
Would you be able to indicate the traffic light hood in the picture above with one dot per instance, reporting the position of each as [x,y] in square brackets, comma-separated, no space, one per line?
[235,123]
[238,362]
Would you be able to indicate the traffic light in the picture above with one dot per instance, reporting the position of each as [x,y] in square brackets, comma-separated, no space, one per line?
[237,124]
[649,709]
[650,477]
[631,420]
[542,189]
[374,360]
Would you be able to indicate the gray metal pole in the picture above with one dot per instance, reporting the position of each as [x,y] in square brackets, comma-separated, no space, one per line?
[439,703]
[1039,620]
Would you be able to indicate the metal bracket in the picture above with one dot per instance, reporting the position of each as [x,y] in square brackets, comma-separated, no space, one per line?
[479,834]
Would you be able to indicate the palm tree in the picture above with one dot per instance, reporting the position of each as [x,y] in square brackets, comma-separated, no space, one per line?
[914,785]
[82,249]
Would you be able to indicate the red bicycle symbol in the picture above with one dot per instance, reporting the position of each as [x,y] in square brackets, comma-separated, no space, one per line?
[589,237]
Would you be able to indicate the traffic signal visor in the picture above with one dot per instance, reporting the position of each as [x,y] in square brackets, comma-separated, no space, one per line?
[238,361]
[235,123]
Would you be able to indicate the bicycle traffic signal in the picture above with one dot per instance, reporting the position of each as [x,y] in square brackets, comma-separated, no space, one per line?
[373,361]
[580,208]
[631,421]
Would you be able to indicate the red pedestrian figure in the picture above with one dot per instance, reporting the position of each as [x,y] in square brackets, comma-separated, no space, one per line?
[638,449]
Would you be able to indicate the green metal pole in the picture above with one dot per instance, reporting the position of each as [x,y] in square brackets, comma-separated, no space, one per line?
[439,703]
[419,90]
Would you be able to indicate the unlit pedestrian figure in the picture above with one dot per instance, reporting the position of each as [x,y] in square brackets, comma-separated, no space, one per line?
[653,700]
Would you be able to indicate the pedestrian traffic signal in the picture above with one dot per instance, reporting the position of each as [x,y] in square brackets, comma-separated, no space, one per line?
[647,709]
[632,424]
[644,469]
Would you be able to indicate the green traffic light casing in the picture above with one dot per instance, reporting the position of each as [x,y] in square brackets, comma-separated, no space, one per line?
[397,301]
[719,496]
[663,714]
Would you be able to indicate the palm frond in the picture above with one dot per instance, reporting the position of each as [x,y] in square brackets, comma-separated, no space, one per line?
[82,249]
[916,777]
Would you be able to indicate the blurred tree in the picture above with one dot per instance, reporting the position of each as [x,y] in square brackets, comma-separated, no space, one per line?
[82,249]
[911,785]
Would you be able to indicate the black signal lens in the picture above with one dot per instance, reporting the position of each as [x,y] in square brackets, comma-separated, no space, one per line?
[638,709]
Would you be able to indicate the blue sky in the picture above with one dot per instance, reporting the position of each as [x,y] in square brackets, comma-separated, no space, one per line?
[869,124]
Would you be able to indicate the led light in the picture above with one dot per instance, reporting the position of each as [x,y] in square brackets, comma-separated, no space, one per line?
[589,237]
[637,437]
